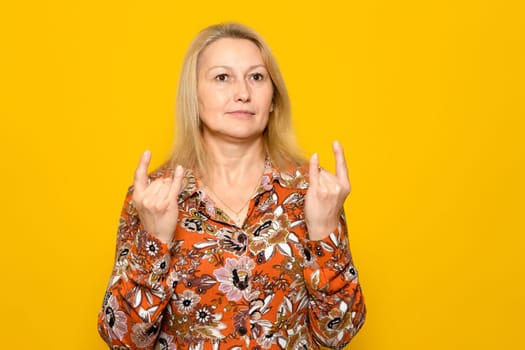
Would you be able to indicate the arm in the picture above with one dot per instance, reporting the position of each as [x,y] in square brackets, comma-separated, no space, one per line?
[137,292]
[139,289]
[337,310]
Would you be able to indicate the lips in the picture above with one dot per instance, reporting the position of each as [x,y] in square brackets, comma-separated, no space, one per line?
[241,113]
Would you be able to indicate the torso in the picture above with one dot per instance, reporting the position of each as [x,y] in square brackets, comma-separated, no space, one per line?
[239,286]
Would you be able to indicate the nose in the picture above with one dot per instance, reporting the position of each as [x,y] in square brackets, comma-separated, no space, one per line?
[242,91]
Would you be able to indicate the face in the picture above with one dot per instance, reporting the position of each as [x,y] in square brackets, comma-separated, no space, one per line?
[234,90]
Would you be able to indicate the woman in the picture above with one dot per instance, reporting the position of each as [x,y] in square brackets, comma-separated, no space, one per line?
[235,242]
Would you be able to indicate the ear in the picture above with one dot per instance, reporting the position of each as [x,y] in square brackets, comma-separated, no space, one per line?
[271,107]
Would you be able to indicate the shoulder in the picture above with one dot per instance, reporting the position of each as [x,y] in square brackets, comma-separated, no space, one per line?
[294,176]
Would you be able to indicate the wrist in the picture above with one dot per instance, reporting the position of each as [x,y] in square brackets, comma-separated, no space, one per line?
[320,232]
[165,237]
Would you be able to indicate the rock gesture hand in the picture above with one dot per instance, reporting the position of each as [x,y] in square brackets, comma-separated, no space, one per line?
[157,201]
[326,195]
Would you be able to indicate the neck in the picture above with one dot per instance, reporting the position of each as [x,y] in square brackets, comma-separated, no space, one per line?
[232,162]
[233,174]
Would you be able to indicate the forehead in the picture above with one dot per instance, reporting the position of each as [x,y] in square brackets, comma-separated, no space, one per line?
[231,52]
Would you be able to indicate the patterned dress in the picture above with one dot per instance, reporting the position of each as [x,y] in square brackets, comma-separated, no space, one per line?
[264,285]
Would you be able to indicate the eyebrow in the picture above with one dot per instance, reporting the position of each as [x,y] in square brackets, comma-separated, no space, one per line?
[229,67]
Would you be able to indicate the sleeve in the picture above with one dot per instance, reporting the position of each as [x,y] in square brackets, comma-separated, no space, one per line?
[337,310]
[138,291]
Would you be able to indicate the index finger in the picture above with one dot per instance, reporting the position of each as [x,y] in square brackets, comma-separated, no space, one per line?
[141,173]
[341,170]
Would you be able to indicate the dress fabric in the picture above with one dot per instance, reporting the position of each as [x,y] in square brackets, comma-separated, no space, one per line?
[264,285]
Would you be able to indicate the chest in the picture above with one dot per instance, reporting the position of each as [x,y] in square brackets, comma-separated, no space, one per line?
[266,253]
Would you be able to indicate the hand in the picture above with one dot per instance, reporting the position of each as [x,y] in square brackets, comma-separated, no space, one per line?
[326,195]
[157,202]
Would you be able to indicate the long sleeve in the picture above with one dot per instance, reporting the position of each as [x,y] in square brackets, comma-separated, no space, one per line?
[337,310]
[219,286]
[137,292]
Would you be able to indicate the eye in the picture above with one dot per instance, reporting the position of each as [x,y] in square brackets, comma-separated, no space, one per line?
[257,76]
[221,77]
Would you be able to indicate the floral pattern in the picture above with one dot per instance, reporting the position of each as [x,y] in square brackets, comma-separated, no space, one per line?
[264,285]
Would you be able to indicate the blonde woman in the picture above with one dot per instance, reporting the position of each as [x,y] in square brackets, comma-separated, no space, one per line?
[236,242]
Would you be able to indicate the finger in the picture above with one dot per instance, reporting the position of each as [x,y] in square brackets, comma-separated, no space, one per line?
[176,184]
[314,170]
[159,193]
[157,187]
[341,170]
[140,181]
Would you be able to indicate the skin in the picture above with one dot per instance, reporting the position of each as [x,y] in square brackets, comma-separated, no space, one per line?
[234,92]
[157,203]
[326,195]
[235,99]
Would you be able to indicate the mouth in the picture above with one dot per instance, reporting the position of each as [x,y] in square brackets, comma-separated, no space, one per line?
[241,113]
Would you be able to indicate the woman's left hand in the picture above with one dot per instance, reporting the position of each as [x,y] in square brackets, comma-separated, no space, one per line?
[326,195]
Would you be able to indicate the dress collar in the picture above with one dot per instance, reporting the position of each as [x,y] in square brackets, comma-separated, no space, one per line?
[294,177]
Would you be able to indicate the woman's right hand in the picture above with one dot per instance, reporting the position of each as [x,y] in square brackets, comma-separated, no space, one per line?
[157,202]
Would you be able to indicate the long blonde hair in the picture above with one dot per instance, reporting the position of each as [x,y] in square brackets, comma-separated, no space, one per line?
[278,137]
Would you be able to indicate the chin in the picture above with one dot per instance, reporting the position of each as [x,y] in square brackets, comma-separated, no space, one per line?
[244,134]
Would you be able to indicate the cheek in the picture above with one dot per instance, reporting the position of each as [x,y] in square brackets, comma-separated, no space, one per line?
[269,101]
[207,101]
[211,99]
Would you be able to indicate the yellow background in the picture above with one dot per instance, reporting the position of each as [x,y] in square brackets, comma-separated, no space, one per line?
[427,97]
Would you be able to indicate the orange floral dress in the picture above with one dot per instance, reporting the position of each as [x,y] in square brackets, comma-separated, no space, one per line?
[264,285]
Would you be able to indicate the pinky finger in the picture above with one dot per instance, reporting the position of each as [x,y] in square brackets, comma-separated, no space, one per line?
[176,183]
[314,170]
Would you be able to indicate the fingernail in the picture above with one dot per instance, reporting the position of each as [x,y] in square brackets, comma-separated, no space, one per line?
[179,170]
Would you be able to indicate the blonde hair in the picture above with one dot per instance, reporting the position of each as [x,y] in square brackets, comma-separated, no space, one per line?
[278,137]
